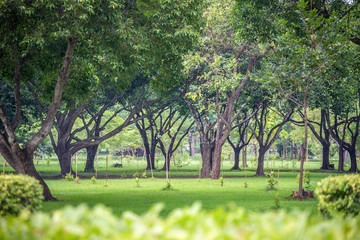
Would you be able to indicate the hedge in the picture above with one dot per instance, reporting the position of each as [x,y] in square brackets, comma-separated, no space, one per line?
[339,195]
[189,223]
[19,192]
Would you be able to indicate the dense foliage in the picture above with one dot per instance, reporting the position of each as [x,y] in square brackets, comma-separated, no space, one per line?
[18,192]
[189,223]
[339,195]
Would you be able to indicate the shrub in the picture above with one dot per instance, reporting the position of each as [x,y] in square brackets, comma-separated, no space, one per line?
[69,177]
[188,223]
[93,180]
[271,181]
[18,192]
[339,195]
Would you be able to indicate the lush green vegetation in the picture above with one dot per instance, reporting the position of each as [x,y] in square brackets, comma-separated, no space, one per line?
[18,193]
[104,102]
[188,223]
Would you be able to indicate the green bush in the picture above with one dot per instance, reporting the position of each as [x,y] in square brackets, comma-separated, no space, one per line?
[189,223]
[18,192]
[339,195]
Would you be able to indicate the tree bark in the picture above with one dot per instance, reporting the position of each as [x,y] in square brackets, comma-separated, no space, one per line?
[326,158]
[206,159]
[91,154]
[341,158]
[191,144]
[260,167]
[353,168]
[65,162]
[236,159]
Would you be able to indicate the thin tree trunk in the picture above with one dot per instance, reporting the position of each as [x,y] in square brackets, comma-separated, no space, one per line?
[244,160]
[341,158]
[191,144]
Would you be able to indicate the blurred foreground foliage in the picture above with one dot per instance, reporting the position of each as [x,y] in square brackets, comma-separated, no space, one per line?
[193,222]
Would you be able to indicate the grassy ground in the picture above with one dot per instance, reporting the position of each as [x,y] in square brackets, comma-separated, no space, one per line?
[124,195]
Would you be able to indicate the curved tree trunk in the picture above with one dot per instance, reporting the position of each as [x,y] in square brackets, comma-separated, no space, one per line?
[353,167]
[30,170]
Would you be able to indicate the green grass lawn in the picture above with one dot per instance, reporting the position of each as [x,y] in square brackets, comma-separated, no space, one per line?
[124,195]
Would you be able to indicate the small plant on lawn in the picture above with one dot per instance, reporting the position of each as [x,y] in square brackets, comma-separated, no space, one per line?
[93,180]
[106,184]
[221,179]
[137,180]
[168,187]
[246,184]
[77,180]
[144,175]
[271,181]
[135,175]
[69,177]
[48,161]
[276,198]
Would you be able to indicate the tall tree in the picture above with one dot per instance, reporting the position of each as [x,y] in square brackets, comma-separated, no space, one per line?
[31,31]
[266,130]
[224,61]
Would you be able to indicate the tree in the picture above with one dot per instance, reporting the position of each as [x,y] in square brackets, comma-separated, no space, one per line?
[224,63]
[31,31]
[267,131]
[101,31]
[305,51]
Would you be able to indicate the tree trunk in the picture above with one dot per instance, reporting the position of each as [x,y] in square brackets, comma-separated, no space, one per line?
[236,159]
[191,144]
[91,154]
[25,165]
[260,167]
[341,159]
[206,160]
[353,167]
[326,158]
[65,163]
[216,165]
[30,170]
[244,160]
